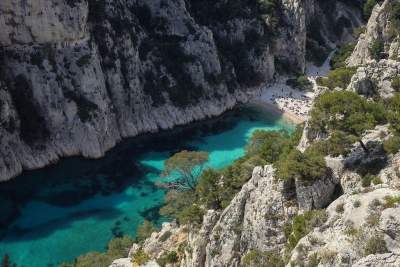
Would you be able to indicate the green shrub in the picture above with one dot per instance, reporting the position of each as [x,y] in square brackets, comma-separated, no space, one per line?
[301,83]
[367,9]
[140,257]
[308,166]
[339,58]
[357,204]
[394,17]
[176,201]
[302,224]
[340,208]
[119,247]
[396,83]
[375,245]
[165,236]
[256,258]
[377,49]
[144,231]
[372,220]
[116,248]
[393,114]
[391,202]
[168,258]
[339,77]
[367,179]
[338,144]
[376,180]
[192,215]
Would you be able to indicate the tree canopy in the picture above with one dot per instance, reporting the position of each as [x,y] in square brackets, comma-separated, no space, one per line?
[347,112]
[188,165]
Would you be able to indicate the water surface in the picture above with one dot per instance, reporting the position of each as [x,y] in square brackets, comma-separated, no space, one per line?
[52,215]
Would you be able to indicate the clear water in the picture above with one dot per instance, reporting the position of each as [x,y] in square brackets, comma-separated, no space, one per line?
[55,214]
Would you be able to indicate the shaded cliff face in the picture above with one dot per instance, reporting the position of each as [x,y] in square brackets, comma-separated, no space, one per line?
[76,76]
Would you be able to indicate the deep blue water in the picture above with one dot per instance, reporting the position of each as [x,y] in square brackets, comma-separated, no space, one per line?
[52,215]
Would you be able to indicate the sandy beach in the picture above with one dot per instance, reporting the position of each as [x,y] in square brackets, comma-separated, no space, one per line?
[293,104]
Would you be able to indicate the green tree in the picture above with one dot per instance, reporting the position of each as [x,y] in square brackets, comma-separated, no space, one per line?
[340,56]
[346,112]
[268,145]
[376,49]
[119,247]
[367,9]
[209,189]
[339,77]
[308,166]
[176,201]
[188,165]
[145,230]
[192,215]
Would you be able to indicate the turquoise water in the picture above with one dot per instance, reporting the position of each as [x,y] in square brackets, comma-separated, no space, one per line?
[55,214]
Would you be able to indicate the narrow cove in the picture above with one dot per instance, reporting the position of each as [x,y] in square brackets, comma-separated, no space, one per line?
[55,214]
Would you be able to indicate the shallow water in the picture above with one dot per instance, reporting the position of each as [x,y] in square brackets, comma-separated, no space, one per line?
[52,215]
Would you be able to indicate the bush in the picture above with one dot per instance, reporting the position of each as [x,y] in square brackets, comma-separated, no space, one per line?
[209,189]
[256,258]
[119,247]
[367,9]
[116,248]
[340,208]
[168,258]
[376,180]
[192,215]
[367,179]
[302,224]
[308,167]
[140,257]
[301,83]
[339,58]
[375,245]
[165,236]
[340,77]
[393,114]
[175,202]
[144,231]
[377,49]
[396,83]
[338,144]
[268,145]
[357,204]
[391,202]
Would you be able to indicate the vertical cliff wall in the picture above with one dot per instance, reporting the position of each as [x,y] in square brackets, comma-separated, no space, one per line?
[76,76]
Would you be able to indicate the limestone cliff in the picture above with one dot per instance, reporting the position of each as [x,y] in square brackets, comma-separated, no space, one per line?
[76,76]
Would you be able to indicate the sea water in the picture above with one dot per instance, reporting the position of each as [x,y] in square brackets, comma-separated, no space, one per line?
[55,214]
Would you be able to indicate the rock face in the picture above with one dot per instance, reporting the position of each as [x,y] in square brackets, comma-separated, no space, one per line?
[253,220]
[77,76]
[378,30]
[344,239]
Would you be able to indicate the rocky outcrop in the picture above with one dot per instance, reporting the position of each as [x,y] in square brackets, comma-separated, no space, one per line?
[253,220]
[354,221]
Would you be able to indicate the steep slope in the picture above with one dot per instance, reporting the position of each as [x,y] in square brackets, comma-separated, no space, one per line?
[76,76]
